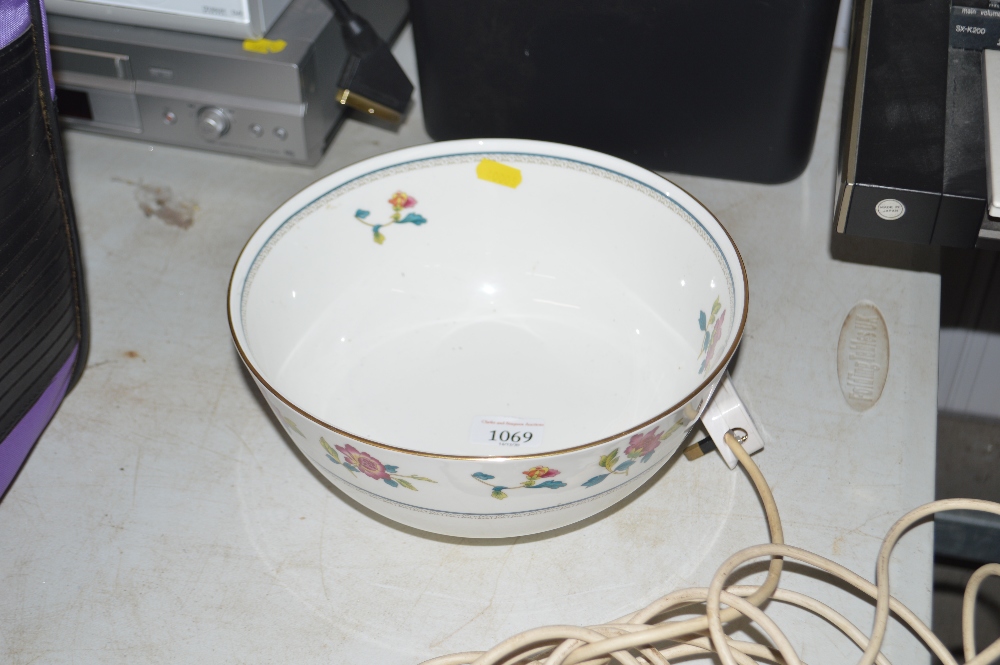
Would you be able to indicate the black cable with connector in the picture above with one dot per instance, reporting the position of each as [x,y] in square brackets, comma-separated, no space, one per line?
[372,81]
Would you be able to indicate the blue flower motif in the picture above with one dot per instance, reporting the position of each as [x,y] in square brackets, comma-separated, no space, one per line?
[361,214]
[482,476]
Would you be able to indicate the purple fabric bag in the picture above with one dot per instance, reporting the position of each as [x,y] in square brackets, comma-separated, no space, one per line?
[43,316]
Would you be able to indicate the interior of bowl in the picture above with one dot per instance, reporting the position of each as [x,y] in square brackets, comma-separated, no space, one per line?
[425,299]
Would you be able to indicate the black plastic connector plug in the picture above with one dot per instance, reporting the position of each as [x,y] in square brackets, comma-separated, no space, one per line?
[372,82]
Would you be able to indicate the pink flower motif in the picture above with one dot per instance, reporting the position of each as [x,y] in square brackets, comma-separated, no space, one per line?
[364,463]
[716,334]
[537,472]
[401,200]
[641,445]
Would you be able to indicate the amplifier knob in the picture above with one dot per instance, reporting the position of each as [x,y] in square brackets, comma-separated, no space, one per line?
[213,123]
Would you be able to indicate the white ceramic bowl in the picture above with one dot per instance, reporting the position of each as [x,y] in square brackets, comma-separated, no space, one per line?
[488,338]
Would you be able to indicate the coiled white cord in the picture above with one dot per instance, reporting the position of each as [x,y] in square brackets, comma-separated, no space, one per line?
[636,640]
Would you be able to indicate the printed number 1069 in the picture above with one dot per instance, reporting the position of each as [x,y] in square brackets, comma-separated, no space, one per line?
[505,436]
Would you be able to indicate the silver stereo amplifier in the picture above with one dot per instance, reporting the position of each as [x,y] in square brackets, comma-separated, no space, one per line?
[278,102]
[222,18]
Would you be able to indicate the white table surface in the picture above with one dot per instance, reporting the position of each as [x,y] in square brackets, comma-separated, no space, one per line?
[164,518]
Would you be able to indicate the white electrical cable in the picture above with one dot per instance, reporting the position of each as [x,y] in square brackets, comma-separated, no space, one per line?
[969,607]
[633,640]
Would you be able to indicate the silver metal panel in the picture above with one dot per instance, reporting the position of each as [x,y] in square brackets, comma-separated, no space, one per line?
[240,139]
[203,98]
[991,99]
[851,125]
[97,63]
[260,16]
[115,108]
[79,81]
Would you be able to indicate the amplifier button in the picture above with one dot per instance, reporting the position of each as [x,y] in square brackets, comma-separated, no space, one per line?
[213,123]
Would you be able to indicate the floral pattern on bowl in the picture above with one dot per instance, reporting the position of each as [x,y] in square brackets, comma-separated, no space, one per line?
[640,447]
[357,462]
[534,474]
[712,333]
[399,201]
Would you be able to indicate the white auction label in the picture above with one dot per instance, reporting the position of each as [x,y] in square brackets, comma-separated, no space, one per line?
[507,432]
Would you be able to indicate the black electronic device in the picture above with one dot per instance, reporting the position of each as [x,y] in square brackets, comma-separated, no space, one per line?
[280,99]
[913,162]
[723,88]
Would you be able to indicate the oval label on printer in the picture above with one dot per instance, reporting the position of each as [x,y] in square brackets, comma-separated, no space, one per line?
[863,356]
[890,209]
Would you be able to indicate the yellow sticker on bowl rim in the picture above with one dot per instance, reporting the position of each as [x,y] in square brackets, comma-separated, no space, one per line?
[501,174]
